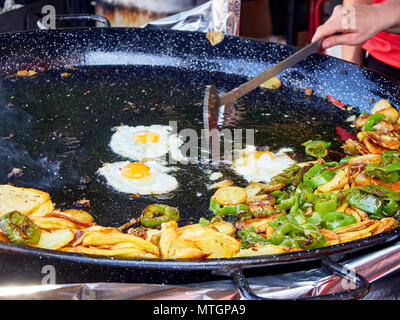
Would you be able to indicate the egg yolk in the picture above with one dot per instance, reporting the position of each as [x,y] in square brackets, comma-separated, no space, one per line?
[146,136]
[135,170]
[258,154]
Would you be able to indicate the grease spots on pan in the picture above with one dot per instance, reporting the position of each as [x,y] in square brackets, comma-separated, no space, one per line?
[68,121]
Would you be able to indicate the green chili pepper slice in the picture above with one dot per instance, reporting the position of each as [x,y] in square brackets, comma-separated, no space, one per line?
[391,208]
[204,222]
[333,220]
[326,202]
[318,175]
[382,174]
[382,192]
[228,210]
[280,196]
[321,179]
[315,170]
[156,214]
[306,236]
[389,171]
[331,164]
[19,228]
[390,157]
[366,202]
[249,237]
[372,121]
[318,148]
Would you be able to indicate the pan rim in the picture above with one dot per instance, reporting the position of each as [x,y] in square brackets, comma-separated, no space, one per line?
[214,264]
[209,264]
[116,29]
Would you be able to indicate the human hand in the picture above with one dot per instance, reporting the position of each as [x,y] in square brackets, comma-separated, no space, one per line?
[340,29]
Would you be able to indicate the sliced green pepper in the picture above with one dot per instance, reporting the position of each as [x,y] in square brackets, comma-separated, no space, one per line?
[366,202]
[389,171]
[315,170]
[391,208]
[286,204]
[390,157]
[318,175]
[156,214]
[280,196]
[249,237]
[345,159]
[382,192]
[292,175]
[306,236]
[228,210]
[19,228]
[331,164]
[372,121]
[204,222]
[318,148]
[326,202]
[331,220]
[321,179]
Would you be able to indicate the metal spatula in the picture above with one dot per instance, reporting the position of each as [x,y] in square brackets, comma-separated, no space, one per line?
[212,100]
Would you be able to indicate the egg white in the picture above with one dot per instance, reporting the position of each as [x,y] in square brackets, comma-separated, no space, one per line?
[157,183]
[123,143]
[262,169]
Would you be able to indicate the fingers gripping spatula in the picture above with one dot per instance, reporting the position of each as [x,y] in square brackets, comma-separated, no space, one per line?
[212,100]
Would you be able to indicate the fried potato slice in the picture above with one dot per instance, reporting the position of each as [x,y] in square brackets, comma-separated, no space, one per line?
[111,236]
[366,159]
[354,235]
[223,227]
[253,190]
[44,209]
[385,224]
[173,248]
[273,83]
[356,226]
[51,223]
[79,217]
[23,200]
[128,252]
[167,236]
[221,184]
[230,196]
[3,237]
[219,245]
[357,231]
[55,239]
[338,182]
[259,250]
[215,37]
[260,224]
[331,237]
[383,106]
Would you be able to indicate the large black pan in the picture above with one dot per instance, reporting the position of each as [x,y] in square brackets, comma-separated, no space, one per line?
[58,129]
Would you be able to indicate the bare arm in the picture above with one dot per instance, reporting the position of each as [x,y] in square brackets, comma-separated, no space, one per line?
[369,20]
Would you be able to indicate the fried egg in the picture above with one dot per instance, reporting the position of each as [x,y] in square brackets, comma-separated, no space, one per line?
[146,142]
[260,166]
[139,178]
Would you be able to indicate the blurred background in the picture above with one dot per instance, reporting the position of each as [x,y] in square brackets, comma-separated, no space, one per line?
[286,21]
